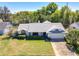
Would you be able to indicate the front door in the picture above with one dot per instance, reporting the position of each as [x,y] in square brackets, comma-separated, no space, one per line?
[44,33]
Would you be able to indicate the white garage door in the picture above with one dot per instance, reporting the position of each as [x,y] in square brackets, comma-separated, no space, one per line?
[56,35]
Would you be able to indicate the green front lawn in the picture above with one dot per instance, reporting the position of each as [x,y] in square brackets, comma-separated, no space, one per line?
[25,48]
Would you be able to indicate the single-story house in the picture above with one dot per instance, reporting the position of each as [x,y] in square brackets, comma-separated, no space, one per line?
[51,30]
[5,27]
[74,25]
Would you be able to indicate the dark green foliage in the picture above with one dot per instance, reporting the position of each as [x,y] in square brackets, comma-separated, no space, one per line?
[72,38]
[35,38]
[50,12]
[5,13]
[55,17]
[51,8]
[65,15]
[21,37]
[34,16]
[77,50]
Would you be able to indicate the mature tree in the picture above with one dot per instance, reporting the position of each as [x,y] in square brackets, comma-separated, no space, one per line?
[65,13]
[55,17]
[45,12]
[21,17]
[5,13]
[72,17]
[77,16]
[51,7]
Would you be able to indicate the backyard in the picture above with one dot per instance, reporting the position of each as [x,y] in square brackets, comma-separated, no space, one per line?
[14,47]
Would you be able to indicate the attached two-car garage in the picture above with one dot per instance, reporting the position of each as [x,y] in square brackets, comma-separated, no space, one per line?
[56,35]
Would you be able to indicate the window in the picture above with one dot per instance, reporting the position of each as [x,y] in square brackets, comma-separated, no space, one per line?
[35,34]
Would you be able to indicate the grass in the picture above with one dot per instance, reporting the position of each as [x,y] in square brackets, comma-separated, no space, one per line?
[13,47]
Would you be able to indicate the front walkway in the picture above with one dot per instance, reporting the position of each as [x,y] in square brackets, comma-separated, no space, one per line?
[61,49]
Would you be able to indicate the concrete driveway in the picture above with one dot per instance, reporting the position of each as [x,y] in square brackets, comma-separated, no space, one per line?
[61,49]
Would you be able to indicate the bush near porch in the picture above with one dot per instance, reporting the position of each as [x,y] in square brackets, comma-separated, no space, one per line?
[35,37]
[24,36]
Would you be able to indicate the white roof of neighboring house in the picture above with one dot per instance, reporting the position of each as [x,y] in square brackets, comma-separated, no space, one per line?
[3,25]
[40,27]
[76,25]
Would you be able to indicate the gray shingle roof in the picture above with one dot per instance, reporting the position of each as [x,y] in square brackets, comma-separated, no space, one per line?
[76,25]
[39,27]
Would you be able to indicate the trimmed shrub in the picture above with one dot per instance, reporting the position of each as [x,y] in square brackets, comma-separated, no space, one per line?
[21,37]
[77,50]
[35,37]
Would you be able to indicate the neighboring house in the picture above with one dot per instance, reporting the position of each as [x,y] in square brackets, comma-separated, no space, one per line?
[5,27]
[51,30]
[74,25]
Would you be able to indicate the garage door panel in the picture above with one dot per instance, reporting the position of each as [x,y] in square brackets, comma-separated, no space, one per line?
[56,35]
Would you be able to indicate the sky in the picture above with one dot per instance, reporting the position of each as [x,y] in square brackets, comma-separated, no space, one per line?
[33,6]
